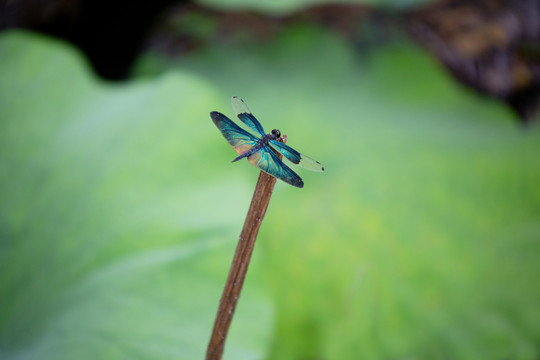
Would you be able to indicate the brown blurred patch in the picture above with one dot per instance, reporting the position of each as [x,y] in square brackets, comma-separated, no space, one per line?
[480,43]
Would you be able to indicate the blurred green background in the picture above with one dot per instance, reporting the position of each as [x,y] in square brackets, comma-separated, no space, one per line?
[120,209]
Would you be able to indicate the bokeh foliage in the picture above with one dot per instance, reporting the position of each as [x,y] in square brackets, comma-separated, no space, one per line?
[285,6]
[120,208]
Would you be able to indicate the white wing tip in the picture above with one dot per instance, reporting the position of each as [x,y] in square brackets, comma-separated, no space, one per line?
[239,106]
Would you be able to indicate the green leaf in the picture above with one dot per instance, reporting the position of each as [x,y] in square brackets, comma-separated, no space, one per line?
[116,235]
[287,6]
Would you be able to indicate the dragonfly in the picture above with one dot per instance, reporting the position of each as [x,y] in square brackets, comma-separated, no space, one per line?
[259,149]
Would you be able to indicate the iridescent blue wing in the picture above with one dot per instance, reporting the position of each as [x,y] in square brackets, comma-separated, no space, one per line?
[243,113]
[296,158]
[267,161]
[239,138]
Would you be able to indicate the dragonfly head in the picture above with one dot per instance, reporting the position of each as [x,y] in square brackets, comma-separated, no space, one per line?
[276,133]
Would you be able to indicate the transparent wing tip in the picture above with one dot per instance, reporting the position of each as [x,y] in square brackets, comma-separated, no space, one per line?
[310,164]
[239,106]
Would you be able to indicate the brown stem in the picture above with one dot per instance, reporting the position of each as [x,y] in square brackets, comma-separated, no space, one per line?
[237,273]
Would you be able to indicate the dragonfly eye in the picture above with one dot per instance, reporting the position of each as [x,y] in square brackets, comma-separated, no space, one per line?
[276,133]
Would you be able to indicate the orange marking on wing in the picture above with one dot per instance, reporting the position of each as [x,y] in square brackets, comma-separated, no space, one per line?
[242,148]
[254,158]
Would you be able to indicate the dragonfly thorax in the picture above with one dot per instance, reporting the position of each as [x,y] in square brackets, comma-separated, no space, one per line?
[273,135]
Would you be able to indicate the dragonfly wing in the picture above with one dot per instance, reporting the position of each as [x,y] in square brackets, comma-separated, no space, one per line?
[243,113]
[239,138]
[267,161]
[296,158]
